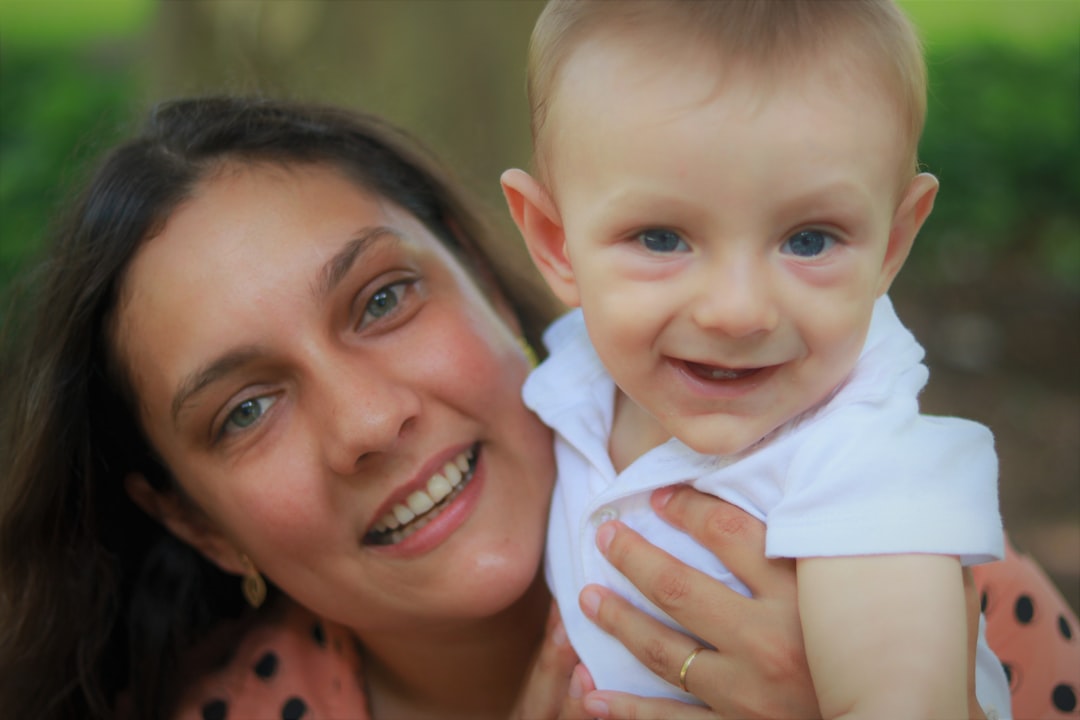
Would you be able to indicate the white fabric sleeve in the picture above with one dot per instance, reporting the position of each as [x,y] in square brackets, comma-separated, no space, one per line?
[879,478]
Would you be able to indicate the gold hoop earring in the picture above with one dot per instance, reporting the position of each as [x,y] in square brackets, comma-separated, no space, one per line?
[530,354]
[253,586]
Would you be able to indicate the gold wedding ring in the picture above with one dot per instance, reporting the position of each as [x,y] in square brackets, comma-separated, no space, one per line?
[686,666]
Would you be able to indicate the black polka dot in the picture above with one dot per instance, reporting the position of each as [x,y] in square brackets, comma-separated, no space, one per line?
[1024,609]
[215,710]
[293,709]
[1063,627]
[1064,698]
[267,666]
[982,601]
[318,634]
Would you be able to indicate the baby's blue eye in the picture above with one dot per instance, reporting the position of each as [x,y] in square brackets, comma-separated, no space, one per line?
[247,413]
[808,243]
[662,241]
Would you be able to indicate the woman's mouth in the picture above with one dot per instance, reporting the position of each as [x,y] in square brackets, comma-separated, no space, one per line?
[423,506]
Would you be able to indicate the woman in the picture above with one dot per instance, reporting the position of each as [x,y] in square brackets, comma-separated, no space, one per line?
[274,341]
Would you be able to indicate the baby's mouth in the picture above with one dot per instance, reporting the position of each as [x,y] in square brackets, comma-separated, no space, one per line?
[423,506]
[715,373]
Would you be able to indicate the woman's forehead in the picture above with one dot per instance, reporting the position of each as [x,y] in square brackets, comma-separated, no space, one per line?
[248,218]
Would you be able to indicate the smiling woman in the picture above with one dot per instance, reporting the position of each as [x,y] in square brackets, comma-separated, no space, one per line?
[272,303]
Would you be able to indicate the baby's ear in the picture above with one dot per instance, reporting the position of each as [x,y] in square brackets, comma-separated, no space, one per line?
[911,213]
[185,522]
[538,220]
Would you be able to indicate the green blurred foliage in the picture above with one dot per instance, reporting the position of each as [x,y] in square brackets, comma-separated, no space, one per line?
[1003,136]
[41,24]
[55,115]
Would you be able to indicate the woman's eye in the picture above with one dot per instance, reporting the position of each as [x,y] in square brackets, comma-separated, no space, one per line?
[808,243]
[662,241]
[247,413]
[383,302]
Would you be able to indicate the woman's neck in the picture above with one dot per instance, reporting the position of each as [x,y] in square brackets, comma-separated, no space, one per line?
[473,669]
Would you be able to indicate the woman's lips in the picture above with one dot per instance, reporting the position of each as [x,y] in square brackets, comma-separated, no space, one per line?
[425,504]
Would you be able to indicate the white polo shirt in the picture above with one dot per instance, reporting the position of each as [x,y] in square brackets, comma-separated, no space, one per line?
[862,474]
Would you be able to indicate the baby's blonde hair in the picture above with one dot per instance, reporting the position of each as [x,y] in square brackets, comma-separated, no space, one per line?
[770,37]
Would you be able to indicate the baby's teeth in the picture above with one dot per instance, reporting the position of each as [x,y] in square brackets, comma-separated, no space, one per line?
[390,520]
[462,462]
[403,514]
[439,487]
[420,502]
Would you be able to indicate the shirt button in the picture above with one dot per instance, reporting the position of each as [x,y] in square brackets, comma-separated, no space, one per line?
[603,515]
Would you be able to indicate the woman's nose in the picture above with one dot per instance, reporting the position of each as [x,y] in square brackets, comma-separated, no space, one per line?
[735,299]
[367,409]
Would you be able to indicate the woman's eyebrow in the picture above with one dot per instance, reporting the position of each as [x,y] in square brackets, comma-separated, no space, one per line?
[210,373]
[339,265]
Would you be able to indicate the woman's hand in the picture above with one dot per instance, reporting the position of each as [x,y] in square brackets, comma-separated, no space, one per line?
[557,683]
[757,666]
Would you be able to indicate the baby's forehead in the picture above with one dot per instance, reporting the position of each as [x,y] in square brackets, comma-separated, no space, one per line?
[616,75]
[767,41]
[659,51]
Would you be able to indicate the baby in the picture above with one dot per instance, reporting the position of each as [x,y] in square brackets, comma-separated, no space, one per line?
[726,191]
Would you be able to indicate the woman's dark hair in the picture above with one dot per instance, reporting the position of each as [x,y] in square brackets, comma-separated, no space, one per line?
[98,601]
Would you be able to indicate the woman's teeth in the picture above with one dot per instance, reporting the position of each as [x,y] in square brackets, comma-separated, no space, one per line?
[424,505]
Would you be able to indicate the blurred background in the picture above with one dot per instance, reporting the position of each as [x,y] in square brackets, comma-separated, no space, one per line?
[992,288]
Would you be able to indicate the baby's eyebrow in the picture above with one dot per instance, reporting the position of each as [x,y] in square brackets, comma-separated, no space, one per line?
[195,382]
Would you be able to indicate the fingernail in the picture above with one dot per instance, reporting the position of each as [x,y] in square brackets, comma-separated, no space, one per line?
[577,685]
[661,497]
[596,706]
[604,536]
[590,602]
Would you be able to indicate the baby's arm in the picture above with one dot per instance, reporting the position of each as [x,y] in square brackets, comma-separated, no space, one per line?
[886,635]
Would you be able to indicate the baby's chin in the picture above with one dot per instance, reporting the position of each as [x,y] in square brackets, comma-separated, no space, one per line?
[728,438]
[732,435]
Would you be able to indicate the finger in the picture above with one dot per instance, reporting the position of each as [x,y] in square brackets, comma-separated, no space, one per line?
[733,535]
[654,644]
[548,681]
[608,704]
[694,599]
[581,683]
[760,638]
